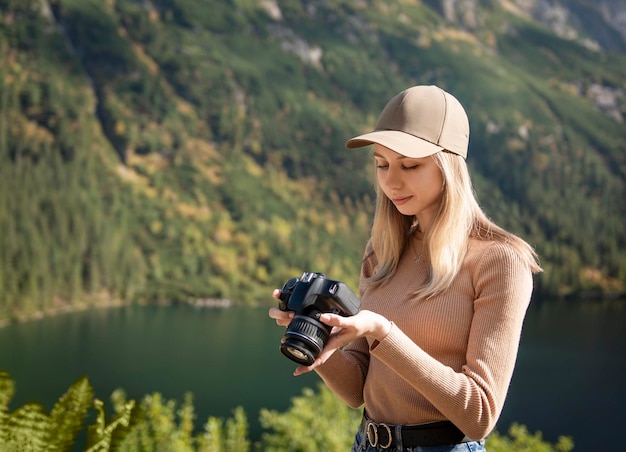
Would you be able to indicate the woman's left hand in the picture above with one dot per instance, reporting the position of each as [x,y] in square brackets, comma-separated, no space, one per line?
[346,329]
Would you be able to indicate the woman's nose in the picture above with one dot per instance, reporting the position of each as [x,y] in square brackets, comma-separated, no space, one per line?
[393,178]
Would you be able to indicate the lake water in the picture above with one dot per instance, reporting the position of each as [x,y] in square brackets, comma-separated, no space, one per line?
[569,379]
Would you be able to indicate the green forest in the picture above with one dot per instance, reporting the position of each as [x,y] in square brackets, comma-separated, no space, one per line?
[185,150]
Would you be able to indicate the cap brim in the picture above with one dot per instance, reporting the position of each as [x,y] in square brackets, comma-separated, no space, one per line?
[400,142]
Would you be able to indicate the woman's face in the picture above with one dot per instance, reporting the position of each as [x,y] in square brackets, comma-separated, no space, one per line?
[414,185]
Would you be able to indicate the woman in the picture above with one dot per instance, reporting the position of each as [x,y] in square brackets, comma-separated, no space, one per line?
[443,289]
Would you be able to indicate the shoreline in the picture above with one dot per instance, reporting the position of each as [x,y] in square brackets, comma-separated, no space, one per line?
[65,308]
[60,309]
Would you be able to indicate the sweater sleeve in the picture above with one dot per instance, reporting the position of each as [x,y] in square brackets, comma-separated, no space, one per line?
[345,372]
[472,398]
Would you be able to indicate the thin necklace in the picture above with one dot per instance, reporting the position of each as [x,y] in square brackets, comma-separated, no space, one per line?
[418,256]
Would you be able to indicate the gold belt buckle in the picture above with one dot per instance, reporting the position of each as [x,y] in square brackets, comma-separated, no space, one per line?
[372,432]
[372,435]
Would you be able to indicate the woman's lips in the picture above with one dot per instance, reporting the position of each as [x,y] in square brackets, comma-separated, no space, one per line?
[400,201]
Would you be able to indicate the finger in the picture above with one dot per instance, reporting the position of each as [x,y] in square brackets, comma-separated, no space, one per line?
[300,370]
[283,318]
[335,342]
[276,294]
[321,359]
[332,319]
[275,313]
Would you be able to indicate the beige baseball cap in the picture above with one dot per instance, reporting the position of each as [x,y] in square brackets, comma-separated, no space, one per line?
[419,122]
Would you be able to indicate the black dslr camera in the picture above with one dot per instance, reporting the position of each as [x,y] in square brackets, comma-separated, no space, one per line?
[311,295]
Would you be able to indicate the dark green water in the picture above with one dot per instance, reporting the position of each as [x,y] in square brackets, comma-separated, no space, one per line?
[225,357]
[569,378]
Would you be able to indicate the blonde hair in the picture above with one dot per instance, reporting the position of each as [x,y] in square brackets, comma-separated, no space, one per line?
[458,218]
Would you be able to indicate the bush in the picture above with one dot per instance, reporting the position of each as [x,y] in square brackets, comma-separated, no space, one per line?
[316,421]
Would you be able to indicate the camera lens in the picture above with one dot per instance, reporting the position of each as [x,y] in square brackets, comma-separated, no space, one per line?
[304,339]
[300,355]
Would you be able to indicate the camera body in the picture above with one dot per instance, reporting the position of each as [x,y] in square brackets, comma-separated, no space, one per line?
[309,296]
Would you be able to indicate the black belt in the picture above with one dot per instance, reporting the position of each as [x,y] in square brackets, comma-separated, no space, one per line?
[441,433]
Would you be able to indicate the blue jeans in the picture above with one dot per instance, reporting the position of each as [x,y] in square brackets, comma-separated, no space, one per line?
[362,445]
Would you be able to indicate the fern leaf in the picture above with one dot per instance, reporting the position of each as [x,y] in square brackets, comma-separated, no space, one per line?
[68,414]
[28,429]
[7,389]
[102,436]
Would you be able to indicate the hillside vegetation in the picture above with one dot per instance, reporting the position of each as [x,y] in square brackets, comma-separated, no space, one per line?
[179,150]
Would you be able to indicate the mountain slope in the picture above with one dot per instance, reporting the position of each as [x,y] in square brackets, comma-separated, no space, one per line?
[179,149]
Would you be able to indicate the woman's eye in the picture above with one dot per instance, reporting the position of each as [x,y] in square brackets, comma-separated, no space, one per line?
[410,167]
[382,166]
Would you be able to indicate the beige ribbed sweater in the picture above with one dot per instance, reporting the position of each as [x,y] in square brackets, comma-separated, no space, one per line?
[448,357]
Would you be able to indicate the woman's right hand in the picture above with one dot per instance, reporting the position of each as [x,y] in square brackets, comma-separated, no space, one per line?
[283,318]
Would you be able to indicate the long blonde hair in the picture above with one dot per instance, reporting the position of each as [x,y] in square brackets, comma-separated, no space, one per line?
[458,218]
